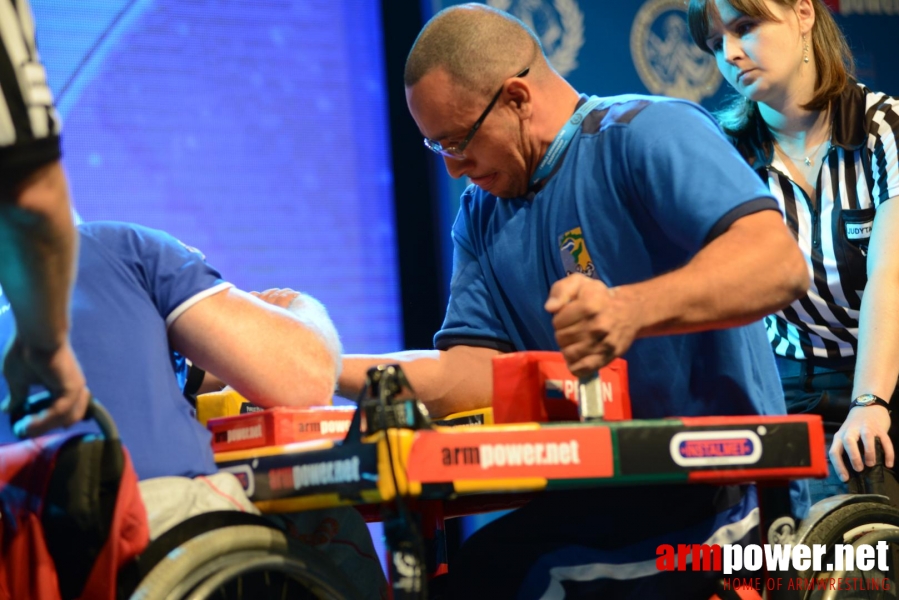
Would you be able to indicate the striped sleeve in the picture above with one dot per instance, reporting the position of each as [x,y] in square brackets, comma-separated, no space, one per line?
[29,124]
[883,138]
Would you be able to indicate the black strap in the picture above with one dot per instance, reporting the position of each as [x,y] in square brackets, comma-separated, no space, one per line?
[195,376]
[877,401]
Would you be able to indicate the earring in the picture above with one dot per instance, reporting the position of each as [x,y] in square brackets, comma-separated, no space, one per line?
[804,48]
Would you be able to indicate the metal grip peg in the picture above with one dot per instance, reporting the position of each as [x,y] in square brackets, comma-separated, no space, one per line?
[589,397]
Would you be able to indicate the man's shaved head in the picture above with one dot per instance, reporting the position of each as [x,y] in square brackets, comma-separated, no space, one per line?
[477,45]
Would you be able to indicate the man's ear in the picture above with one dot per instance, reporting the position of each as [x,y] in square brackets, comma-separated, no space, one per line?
[519,97]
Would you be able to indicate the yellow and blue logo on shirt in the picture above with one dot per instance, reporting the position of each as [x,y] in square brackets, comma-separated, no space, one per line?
[575,258]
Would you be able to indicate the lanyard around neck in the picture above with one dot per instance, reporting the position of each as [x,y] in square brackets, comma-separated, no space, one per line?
[560,143]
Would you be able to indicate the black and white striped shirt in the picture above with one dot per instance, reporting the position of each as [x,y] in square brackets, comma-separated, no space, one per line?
[29,125]
[859,173]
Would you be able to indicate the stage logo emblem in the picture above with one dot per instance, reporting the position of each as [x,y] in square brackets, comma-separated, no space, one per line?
[558,23]
[667,60]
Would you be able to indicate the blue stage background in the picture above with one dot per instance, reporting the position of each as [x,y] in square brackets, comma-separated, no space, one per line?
[254,131]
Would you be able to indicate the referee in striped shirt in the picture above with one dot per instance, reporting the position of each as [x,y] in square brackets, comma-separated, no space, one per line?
[37,235]
[827,147]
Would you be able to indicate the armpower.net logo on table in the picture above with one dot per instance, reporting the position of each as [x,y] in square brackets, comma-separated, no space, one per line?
[488,456]
[561,453]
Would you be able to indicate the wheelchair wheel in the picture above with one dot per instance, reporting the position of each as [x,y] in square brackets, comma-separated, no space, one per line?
[245,561]
[845,526]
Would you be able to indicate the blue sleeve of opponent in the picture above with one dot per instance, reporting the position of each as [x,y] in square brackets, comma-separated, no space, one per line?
[471,316]
[170,271]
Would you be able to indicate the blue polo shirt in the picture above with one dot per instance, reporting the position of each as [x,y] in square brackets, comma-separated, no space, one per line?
[645,184]
[132,284]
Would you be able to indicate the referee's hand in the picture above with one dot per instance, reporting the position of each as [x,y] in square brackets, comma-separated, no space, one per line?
[865,424]
[58,371]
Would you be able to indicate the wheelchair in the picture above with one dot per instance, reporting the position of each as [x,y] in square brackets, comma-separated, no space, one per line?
[230,555]
[79,492]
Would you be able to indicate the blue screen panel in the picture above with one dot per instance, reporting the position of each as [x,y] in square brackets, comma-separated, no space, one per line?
[254,131]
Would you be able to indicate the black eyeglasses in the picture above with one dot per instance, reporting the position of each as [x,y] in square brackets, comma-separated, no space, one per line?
[457,151]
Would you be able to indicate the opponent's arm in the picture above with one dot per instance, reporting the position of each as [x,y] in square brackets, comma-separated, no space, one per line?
[447,381]
[269,355]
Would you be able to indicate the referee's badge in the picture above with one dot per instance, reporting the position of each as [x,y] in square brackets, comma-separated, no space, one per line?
[859,231]
[857,226]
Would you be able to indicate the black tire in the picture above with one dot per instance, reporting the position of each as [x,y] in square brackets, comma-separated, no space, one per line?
[244,561]
[844,526]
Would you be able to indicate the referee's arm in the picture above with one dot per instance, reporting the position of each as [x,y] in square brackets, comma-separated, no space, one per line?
[38,242]
[877,365]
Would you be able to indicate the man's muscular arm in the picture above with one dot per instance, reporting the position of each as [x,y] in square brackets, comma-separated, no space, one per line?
[751,270]
[447,381]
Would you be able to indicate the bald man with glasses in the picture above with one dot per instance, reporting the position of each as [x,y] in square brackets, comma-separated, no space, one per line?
[624,226]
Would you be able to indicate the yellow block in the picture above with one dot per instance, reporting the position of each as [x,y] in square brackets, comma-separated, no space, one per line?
[225,403]
[222,404]
[400,445]
[501,486]
[486,413]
